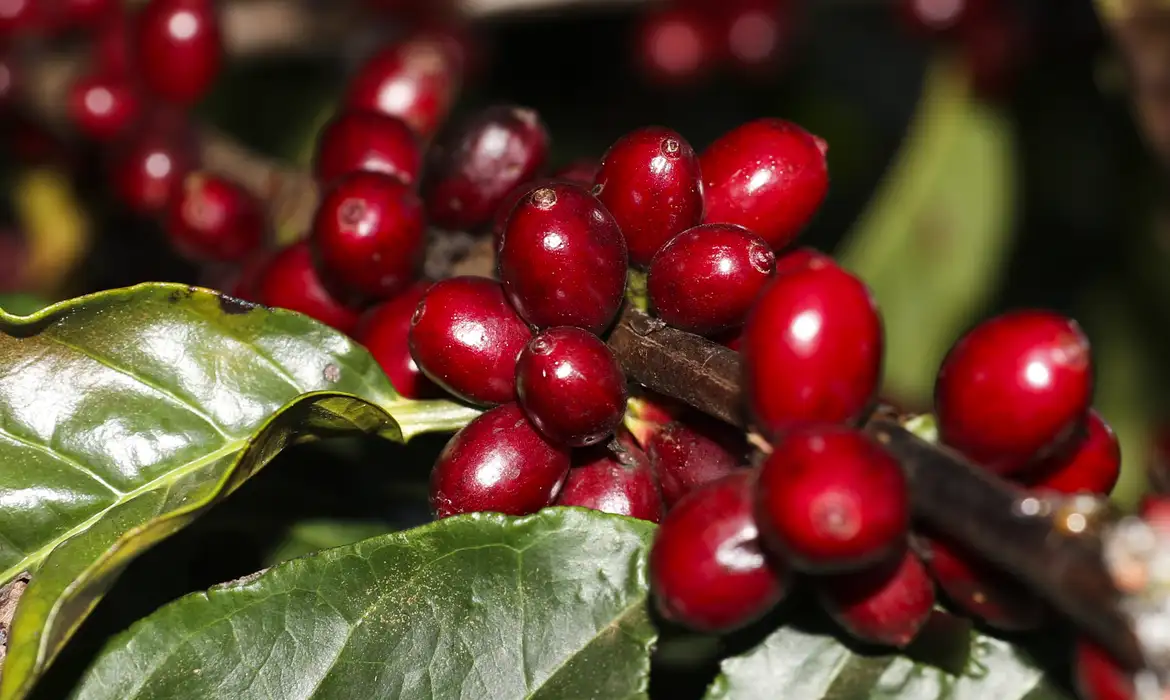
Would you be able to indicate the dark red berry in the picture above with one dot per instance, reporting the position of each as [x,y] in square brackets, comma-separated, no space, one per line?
[415,80]
[369,234]
[473,169]
[580,172]
[508,203]
[103,106]
[975,588]
[84,14]
[466,338]
[887,605]
[178,48]
[21,17]
[571,387]
[756,34]
[619,482]
[799,259]
[147,167]
[675,46]
[1092,464]
[499,463]
[649,180]
[213,218]
[1098,676]
[290,281]
[687,455]
[111,50]
[768,175]
[562,259]
[935,17]
[707,569]
[1014,388]
[384,330]
[832,500]
[812,348]
[706,279]
[366,140]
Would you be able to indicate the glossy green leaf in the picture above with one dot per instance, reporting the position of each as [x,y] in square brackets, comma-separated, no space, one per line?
[792,663]
[21,304]
[125,414]
[935,237]
[551,605]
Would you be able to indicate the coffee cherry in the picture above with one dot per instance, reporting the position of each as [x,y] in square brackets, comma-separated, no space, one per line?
[562,259]
[473,170]
[649,180]
[83,14]
[812,348]
[178,48]
[103,106]
[675,46]
[1091,465]
[384,331]
[110,51]
[755,34]
[1014,388]
[466,338]
[365,140]
[500,463]
[888,604]
[832,500]
[619,482]
[1098,676]
[369,235]
[21,17]
[801,258]
[415,80]
[147,167]
[688,455]
[213,218]
[978,590]
[290,281]
[706,279]
[571,387]
[768,175]
[508,203]
[707,570]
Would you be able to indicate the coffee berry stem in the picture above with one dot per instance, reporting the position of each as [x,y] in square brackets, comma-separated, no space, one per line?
[1051,550]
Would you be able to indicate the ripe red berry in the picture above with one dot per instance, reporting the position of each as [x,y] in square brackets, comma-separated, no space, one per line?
[369,235]
[500,463]
[571,387]
[687,455]
[508,203]
[83,14]
[832,500]
[768,175]
[384,330]
[213,218]
[1014,388]
[706,279]
[755,34]
[466,337]
[366,140]
[111,50]
[978,590]
[707,569]
[147,167]
[178,48]
[290,281]
[1091,464]
[415,79]
[887,604]
[649,180]
[1098,677]
[801,258]
[562,259]
[812,348]
[103,106]
[620,482]
[675,46]
[21,17]
[472,170]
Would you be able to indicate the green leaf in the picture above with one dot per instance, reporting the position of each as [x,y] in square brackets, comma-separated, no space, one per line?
[314,535]
[126,414]
[551,605]
[21,304]
[792,663]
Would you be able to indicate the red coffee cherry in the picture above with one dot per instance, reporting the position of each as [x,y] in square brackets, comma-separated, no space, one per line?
[756,34]
[415,80]
[832,500]
[571,387]
[687,455]
[178,48]
[110,51]
[1098,676]
[1014,388]
[1091,465]
[801,258]
[562,259]
[888,604]
[978,590]
[365,140]
[508,203]
[213,218]
[147,167]
[812,348]
[384,330]
[369,235]
[466,338]
[84,14]
[472,171]
[102,106]
[500,463]
[290,281]
[768,175]
[706,279]
[649,180]
[707,569]
[619,482]
[675,46]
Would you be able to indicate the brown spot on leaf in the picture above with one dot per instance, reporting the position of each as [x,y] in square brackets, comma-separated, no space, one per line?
[9,598]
